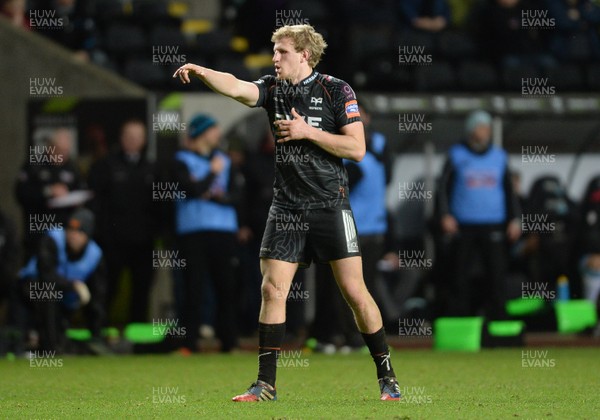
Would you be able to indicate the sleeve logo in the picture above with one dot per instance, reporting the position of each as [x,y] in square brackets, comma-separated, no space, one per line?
[352,109]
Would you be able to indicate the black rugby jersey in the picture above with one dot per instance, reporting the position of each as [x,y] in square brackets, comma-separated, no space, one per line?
[306,176]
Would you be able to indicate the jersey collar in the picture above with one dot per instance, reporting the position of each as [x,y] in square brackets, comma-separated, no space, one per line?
[309,79]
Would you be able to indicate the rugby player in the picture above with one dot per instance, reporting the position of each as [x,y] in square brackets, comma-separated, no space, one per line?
[316,123]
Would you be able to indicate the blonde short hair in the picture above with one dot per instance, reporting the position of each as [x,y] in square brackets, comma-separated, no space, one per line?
[304,37]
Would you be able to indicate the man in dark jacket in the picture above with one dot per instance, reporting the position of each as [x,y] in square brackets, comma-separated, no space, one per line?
[123,183]
[49,173]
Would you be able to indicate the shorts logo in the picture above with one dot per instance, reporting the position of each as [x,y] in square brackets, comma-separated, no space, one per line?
[352,109]
[350,231]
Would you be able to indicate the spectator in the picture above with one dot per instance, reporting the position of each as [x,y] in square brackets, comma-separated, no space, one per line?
[549,231]
[479,212]
[206,225]
[14,10]
[367,182]
[576,35]
[122,183]
[47,175]
[66,273]
[498,27]
[71,25]
[422,15]
[590,241]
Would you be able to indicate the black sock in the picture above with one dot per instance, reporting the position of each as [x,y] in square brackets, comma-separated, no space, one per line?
[380,353]
[270,337]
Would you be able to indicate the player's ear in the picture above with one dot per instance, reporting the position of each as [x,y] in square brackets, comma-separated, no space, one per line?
[306,55]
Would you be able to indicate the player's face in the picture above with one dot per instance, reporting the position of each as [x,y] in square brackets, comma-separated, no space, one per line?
[286,59]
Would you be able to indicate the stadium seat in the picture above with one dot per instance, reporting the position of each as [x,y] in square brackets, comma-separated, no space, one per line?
[593,77]
[566,77]
[438,77]
[575,315]
[512,77]
[477,76]
[366,40]
[454,45]
[234,64]
[213,42]
[460,334]
[142,71]
[167,35]
[124,38]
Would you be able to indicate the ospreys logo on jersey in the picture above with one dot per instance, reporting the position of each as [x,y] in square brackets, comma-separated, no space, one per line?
[315,104]
[350,231]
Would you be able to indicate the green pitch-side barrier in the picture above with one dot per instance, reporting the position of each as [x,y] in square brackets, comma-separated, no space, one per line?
[461,334]
[505,328]
[523,306]
[83,334]
[143,333]
[575,315]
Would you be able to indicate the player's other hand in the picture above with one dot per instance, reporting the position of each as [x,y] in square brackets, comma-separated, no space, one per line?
[186,70]
[294,129]
[449,224]
[217,164]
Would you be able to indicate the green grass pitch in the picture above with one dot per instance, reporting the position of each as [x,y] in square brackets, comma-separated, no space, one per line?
[554,383]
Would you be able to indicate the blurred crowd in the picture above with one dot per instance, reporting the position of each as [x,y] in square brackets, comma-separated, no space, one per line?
[479,45]
[201,217]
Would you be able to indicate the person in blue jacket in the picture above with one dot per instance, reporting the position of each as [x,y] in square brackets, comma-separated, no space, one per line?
[479,212]
[206,224]
[65,274]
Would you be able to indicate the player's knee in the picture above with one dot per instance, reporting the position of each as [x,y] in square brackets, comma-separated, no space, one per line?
[270,292]
[358,300]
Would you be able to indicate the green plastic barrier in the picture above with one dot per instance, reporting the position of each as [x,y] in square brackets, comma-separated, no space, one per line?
[461,334]
[505,328]
[523,306]
[575,315]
